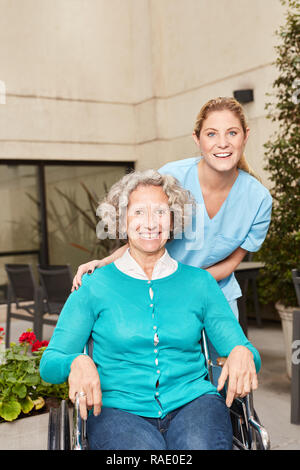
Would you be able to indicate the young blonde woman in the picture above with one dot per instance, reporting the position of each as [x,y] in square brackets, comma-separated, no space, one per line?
[234,207]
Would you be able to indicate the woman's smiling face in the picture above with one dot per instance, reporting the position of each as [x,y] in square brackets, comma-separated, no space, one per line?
[222,140]
[148,218]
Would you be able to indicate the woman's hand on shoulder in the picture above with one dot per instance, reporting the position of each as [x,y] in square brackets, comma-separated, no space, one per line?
[84,378]
[86,268]
[92,265]
[240,370]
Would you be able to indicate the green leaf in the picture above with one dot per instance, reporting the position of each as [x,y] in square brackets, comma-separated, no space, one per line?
[39,403]
[10,410]
[26,404]
[11,379]
[32,379]
[20,390]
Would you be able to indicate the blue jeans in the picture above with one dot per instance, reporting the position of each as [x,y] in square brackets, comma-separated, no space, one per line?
[201,424]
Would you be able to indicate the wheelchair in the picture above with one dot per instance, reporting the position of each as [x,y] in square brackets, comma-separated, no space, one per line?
[68,431]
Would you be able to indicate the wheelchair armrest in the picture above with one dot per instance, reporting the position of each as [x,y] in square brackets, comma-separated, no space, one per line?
[221,361]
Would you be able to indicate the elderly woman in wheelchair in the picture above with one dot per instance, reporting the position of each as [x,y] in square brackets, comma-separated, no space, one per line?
[146,385]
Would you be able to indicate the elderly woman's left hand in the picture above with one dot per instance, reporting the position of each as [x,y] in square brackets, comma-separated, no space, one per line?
[240,370]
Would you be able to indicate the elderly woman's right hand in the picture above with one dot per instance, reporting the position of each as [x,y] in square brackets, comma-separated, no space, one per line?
[84,377]
[86,268]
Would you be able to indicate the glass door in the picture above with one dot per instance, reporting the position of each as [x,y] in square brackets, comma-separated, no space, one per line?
[48,212]
[19,217]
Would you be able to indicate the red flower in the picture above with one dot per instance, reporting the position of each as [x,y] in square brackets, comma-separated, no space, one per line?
[27,337]
[39,344]
[2,333]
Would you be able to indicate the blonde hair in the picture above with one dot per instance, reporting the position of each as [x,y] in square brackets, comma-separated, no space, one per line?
[221,104]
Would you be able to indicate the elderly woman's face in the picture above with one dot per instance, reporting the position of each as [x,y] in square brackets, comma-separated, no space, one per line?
[148,218]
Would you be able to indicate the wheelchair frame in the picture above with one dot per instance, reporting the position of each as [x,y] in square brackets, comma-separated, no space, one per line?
[248,432]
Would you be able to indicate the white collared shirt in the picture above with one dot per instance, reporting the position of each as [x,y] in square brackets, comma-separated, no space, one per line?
[163,267]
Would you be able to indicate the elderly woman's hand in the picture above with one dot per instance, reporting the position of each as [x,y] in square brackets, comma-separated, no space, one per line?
[84,377]
[240,370]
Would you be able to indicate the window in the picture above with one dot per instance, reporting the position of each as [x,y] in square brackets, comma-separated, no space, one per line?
[47,211]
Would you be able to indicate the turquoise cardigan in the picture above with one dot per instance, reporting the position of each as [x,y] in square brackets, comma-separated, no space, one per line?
[137,376]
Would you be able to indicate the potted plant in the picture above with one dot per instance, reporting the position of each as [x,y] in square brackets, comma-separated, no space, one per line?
[22,391]
[281,249]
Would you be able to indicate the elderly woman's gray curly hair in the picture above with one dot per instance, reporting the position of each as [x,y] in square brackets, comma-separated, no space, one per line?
[111,209]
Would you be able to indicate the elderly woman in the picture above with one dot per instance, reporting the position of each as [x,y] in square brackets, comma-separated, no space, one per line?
[147,381]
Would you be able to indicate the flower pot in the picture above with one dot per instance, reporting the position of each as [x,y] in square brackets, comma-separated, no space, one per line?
[29,433]
[286,316]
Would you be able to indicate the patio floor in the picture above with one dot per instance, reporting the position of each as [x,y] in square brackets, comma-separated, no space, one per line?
[272,399]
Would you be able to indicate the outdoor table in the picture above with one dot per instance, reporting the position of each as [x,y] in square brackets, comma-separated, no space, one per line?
[248,270]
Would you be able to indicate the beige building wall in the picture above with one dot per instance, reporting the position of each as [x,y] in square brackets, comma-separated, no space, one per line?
[123,80]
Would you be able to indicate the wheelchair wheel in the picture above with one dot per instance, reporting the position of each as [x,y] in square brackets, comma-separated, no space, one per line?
[53,430]
[257,444]
[248,433]
[239,426]
[59,428]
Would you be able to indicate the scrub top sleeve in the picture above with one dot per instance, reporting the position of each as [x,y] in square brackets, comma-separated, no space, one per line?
[259,227]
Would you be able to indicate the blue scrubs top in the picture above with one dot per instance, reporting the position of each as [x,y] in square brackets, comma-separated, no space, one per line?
[242,221]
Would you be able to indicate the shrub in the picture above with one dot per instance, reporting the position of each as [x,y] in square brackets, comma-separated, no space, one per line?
[280,250]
